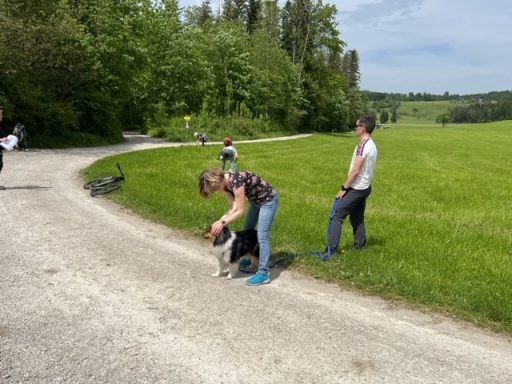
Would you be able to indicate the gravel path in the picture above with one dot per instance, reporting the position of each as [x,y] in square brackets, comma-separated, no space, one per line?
[92,294]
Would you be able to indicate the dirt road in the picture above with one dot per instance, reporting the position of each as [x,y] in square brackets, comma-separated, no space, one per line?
[92,294]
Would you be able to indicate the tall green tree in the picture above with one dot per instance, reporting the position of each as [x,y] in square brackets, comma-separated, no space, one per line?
[384,116]
[253,11]
[199,16]
[310,36]
[227,54]
[350,67]
[394,115]
[235,10]
[95,67]
[298,20]
[116,30]
[274,91]
[51,74]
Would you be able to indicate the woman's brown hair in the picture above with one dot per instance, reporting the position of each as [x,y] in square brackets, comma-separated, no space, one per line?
[209,181]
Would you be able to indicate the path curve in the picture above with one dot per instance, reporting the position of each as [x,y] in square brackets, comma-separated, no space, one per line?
[92,294]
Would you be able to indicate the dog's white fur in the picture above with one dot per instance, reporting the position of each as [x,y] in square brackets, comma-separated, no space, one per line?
[223,254]
[229,263]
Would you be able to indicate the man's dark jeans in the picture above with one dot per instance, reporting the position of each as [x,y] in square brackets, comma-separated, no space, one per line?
[353,204]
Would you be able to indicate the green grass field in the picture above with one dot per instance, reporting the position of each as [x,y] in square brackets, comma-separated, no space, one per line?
[439,218]
[421,112]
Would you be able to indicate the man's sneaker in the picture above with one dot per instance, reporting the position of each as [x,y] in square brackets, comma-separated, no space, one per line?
[326,256]
[258,279]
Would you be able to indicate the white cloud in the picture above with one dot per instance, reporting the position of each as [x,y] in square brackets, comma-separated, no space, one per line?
[459,46]
[433,46]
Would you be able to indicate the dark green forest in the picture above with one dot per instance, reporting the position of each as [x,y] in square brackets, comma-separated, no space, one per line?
[80,71]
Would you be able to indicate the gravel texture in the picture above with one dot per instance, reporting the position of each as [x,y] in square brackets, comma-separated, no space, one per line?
[90,293]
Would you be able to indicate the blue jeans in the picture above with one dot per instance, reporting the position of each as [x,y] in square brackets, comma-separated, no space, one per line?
[234,168]
[263,215]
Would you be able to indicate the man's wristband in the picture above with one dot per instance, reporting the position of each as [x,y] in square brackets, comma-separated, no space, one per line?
[343,188]
[223,222]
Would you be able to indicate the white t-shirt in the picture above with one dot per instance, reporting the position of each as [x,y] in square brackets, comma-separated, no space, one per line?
[368,150]
[10,143]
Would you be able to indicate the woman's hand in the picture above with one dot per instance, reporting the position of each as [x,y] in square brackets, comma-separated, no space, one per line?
[217,228]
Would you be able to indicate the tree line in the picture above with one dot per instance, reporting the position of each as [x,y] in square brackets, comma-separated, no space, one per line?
[481,111]
[425,96]
[474,108]
[93,68]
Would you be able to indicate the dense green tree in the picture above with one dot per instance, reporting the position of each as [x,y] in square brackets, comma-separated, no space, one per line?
[51,74]
[118,32]
[199,16]
[443,118]
[350,67]
[206,13]
[253,10]
[384,116]
[228,57]
[297,29]
[95,67]
[310,36]
[274,87]
[235,10]
[394,115]
[481,110]
[287,34]
[268,20]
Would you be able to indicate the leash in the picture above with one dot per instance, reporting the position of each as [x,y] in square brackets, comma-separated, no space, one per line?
[282,260]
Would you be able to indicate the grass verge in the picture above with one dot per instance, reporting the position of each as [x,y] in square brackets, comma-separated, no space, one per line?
[438,220]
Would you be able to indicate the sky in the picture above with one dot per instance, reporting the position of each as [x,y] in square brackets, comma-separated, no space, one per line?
[434,46]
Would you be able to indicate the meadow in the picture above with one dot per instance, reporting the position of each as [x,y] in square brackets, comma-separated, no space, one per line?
[439,218]
[421,112]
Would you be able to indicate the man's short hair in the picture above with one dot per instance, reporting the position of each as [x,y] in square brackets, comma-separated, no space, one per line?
[368,122]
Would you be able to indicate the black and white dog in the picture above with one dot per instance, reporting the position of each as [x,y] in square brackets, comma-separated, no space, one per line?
[21,133]
[230,247]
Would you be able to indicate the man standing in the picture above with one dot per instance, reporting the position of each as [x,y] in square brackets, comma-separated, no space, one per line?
[351,199]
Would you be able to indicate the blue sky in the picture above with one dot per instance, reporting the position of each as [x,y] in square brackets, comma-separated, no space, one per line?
[459,46]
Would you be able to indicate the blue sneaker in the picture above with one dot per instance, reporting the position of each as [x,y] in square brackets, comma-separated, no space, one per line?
[258,279]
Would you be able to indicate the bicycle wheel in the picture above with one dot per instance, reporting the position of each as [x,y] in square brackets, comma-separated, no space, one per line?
[107,187]
[95,182]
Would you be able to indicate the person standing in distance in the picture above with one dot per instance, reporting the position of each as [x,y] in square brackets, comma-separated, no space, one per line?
[229,153]
[351,199]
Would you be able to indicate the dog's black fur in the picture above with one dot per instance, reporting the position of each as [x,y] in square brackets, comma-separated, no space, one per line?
[230,247]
